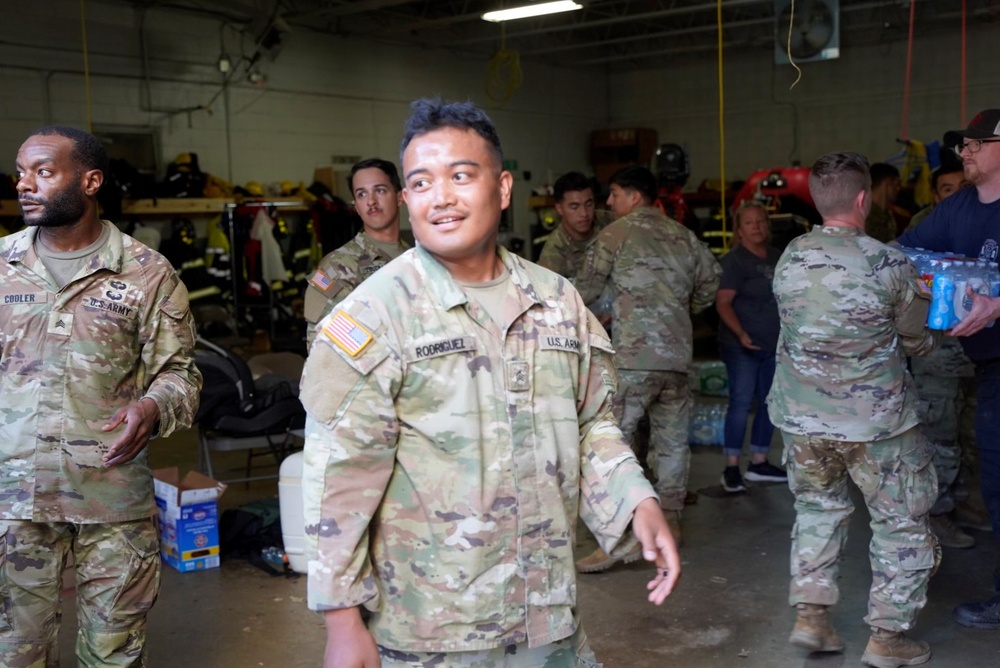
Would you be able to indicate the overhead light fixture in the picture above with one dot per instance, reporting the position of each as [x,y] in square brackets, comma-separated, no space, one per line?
[527,11]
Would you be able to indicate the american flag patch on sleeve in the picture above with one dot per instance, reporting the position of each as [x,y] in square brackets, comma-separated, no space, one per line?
[321,280]
[347,334]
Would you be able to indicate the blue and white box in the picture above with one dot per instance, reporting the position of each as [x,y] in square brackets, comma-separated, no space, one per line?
[189,518]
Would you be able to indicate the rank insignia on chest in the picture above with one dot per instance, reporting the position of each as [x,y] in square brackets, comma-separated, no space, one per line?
[347,334]
[518,376]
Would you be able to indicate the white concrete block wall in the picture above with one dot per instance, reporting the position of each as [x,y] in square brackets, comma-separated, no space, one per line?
[852,103]
[323,96]
[326,95]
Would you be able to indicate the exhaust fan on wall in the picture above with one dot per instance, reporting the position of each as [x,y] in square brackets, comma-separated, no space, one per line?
[815,28]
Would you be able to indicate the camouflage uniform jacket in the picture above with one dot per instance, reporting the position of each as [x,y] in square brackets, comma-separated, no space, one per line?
[448,460]
[659,273]
[851,311]
[121,330]
[563,254]
[881,224]
[343,270]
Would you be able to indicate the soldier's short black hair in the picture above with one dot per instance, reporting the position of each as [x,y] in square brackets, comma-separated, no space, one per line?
[944,169]
[429,114]
[88,151]
[882,171]
[836,179]
[639,179]
[570,182]
[377,163]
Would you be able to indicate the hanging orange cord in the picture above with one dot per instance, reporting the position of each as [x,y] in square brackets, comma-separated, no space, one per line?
[905,131]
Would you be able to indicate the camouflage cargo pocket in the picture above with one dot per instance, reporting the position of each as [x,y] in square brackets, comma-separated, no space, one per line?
[139,584]
[917,558]
[917,478]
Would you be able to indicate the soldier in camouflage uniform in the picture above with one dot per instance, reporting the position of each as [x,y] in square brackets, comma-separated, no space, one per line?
[460,422]
[851,309]
[658,273]
[968,223]
[377,192]
[880,223]
[96,358]
[938,379]
[564,250]
[939,384]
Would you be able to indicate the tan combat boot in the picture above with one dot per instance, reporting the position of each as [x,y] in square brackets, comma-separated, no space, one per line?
[814,631]
[599,561]
[891,649]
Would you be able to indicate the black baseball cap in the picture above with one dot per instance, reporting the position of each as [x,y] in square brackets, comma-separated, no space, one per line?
[984,125]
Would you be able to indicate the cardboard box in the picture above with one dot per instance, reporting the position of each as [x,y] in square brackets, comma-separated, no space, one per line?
[189,518]
[328,176]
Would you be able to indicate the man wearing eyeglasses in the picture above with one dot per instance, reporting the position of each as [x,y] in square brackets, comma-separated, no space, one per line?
[968,222]
[378,194]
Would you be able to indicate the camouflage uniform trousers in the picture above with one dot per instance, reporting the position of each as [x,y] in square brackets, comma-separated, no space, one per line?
[572,652]
[899,485]
[940,403]
[117,579]
[666,397]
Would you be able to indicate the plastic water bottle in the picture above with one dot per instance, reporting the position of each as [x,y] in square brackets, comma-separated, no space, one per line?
[942,310]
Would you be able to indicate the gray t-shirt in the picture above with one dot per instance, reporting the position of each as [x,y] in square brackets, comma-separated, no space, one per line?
[751,277]
[490,294]
[393,249]
[65,265]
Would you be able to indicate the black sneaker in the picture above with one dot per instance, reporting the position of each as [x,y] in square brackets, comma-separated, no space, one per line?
[732,482]
[765,472]
[985,615]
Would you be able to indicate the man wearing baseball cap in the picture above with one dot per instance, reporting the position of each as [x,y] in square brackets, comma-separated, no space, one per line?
[968,222]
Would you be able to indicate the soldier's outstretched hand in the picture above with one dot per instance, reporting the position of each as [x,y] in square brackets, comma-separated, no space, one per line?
[658,545]
[140,420]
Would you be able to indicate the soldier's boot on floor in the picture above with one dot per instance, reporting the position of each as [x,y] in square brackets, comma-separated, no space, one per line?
[891,649]
[599,561]
[948,533]
[813,629]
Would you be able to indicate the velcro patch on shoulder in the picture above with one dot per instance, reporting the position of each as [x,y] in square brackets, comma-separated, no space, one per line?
[321,280]
[176,305]
[325,283]
[569,344]
[347,333]
[601,343]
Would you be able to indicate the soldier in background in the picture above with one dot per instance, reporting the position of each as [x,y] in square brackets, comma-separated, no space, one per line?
[658,273]
[946,180]
[564,250]
[96,342]
[969,223]
[851,309]
[377,192]
[886,184]
[939,377]
[459,424]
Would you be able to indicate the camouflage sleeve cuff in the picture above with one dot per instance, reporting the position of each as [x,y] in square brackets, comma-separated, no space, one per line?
[611,486]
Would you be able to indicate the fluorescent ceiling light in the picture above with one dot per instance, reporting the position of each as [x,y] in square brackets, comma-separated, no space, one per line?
[539,9]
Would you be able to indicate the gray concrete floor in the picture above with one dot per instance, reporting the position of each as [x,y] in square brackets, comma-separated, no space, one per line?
[729,610]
